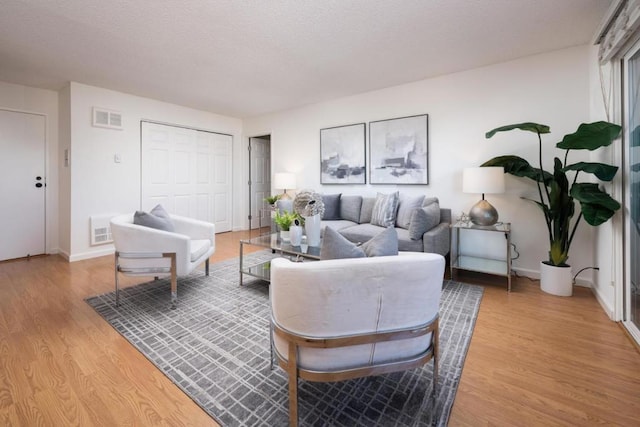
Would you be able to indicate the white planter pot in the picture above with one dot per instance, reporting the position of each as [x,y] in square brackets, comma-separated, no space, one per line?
[284,235]
[556,280]
[295,233]
[312,229]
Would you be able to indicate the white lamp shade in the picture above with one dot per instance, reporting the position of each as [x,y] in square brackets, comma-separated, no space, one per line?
[284,181]
[483,180]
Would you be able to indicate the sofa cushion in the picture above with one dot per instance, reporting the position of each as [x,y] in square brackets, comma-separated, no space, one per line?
[424,219]
[350,208]
[157,218]
[361,233]
[331,206]
[366,210]
[384,209]
[382,244]
[336,225]
[199,248]
[406,206]
[336,246]
[406,244]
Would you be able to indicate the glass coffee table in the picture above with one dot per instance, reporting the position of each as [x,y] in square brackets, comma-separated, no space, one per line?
[272,241]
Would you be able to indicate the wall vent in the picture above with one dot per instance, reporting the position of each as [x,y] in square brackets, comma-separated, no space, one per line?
[107,118]
[100,229]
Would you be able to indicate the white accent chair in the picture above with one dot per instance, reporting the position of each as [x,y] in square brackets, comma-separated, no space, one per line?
[339,319]
[146,251]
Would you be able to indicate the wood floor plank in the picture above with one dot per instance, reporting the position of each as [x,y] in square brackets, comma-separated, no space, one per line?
[534,359]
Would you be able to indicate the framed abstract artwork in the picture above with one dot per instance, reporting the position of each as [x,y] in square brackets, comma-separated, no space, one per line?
[342,155]
[399,150]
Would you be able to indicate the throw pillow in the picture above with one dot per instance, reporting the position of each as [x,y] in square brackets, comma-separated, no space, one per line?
[336,246]
[424,219]
[384,210]
[331,206]
[158,218]
[350,208]
[384,243]
[406,206]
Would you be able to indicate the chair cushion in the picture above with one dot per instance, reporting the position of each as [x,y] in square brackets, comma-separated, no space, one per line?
[158,218]
[384,209]
[199,248]
[336,246]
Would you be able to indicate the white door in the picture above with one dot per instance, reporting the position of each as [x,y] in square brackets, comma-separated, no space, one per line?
[188,172]
[260,163]
[22,184]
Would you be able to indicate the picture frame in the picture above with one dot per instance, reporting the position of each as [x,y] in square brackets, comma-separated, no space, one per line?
[399,150]
[343,154]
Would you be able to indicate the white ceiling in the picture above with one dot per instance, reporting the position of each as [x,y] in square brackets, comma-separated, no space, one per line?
[248,57]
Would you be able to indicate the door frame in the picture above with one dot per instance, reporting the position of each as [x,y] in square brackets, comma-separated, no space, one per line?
[247,195]
[630,326]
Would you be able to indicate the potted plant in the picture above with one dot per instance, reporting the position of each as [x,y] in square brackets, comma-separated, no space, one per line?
[558,193]
[284,220]
[271,200]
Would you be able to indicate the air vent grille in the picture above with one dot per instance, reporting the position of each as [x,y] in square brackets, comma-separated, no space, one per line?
[100,229]
[107,118]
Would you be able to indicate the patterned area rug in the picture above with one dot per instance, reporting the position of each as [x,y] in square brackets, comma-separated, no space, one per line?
[215,347]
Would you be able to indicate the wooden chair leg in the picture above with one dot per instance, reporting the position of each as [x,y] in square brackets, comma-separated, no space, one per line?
[174,281]
[292,372]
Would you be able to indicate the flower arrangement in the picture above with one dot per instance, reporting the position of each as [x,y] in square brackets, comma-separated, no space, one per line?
[308,203]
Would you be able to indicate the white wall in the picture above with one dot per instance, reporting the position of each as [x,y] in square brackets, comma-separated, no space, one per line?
[551,88]
[27,99]
[101,186]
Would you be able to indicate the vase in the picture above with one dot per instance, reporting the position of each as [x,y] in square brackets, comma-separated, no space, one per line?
[556,280]
[295,234]
[312,229]
[284,235]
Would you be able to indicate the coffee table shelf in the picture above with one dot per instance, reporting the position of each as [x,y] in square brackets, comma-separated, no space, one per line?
[272,241]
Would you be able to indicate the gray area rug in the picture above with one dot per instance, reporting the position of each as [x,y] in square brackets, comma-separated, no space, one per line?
[215,347]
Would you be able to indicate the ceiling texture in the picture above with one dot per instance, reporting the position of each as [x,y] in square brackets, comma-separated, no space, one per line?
[244,58]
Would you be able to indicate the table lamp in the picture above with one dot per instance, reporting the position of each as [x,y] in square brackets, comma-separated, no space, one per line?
[483,180]
[284,181]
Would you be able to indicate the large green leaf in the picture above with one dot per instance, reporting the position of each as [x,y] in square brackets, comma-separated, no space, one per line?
[528,126]
[517,166]
[597,206]
[603,171]
[590,136]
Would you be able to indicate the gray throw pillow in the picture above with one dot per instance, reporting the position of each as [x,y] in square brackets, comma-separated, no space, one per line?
[350,208]
[384,243]
[424,219]
[331,206]
[367,209]
[336,246]
[384,210]
[406,206]
[158,218]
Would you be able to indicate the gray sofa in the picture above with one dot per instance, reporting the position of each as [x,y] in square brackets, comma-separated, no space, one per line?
[351,216]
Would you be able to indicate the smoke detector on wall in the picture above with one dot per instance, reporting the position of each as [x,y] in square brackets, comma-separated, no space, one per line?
[107,118]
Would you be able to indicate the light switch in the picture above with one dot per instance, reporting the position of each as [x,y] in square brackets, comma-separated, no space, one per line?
[117,158]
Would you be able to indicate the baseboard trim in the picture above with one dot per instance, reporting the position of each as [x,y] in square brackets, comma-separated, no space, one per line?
[89,255]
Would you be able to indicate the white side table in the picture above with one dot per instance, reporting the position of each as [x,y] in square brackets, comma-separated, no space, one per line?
[498,267]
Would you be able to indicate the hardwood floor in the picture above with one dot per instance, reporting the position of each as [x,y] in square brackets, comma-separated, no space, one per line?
[534,359]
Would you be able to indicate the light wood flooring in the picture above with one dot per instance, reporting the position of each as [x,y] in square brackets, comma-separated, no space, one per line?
[534,359]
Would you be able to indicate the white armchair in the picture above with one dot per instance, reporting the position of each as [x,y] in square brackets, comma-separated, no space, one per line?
[146,251]
[347,318]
